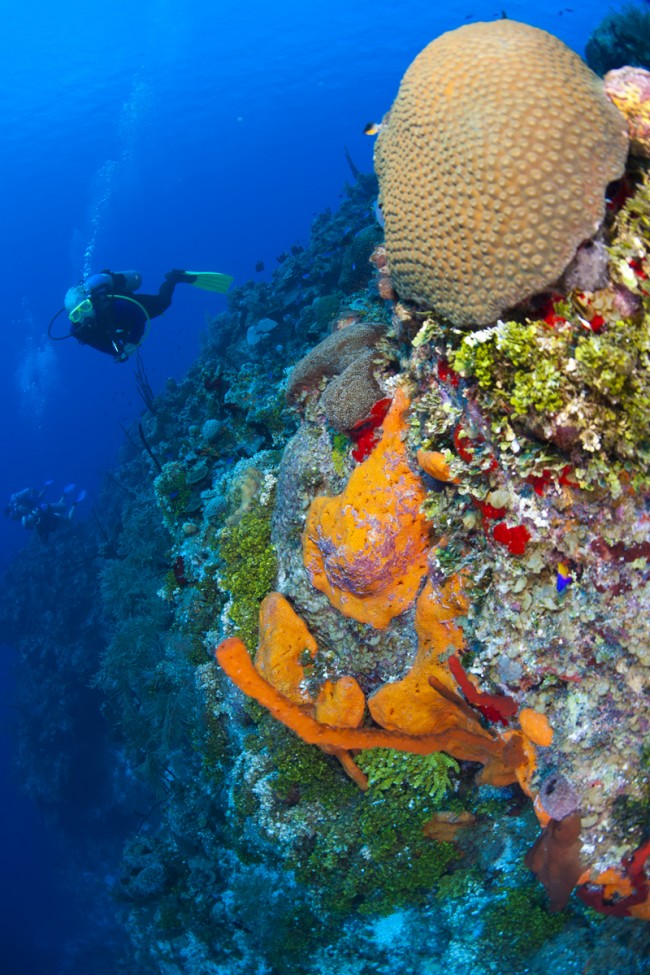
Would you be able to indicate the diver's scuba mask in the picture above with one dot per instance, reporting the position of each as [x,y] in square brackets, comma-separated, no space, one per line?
[82,311]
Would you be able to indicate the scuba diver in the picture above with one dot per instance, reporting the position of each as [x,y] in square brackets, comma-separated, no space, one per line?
[28,507]
[105,313]
[21,503]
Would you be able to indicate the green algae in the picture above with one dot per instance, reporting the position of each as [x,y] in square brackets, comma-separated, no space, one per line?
[400,865]
[340,453]
[480,354]
[172,491]
[248,567]
[374,857]
[369,853]
[204,606]
[428,774]
[213,748]
[518,924]
[600,383]
[300,772]
[540,389]
[632,229]
[211,739]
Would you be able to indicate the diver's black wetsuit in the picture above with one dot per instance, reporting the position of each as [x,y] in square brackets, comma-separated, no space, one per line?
[119,320]
[156,304]
[47,521]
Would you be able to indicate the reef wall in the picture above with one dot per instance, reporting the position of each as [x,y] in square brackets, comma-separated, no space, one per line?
[419,549]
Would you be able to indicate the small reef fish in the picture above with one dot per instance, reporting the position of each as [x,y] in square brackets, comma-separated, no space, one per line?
[259,266]
[564,577]
[372,128]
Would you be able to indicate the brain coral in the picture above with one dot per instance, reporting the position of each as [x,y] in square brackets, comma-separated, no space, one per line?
[492,164]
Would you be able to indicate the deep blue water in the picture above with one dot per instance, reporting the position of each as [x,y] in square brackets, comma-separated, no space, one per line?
[154,135]
[32,864]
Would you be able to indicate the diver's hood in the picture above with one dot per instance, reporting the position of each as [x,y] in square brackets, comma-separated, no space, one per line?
[73,297]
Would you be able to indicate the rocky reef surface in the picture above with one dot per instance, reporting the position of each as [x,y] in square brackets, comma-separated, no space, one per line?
[421,555]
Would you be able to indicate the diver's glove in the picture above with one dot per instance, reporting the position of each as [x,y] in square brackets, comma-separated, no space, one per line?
[80,497]
[68,489]
[180,277]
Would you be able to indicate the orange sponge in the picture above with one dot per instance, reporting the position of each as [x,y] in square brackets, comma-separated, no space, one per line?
[366,549]
[284,642]
[412,704]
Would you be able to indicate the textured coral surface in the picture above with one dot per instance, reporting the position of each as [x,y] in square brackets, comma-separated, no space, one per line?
[629,90]
[493,164]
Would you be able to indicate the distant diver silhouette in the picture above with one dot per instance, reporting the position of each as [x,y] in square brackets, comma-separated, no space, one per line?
[44,517]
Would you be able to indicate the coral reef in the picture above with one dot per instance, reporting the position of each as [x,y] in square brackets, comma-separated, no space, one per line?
[443,729]
[522,426]
[629,89]
[493,164]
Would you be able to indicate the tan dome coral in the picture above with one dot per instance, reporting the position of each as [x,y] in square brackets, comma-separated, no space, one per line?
[492,165]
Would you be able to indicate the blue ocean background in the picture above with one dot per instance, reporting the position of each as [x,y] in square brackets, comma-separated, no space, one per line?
[159,135]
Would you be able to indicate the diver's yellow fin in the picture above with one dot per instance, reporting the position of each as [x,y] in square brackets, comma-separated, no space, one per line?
[211,281]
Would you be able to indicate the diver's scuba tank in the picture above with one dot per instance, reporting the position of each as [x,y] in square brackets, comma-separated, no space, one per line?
[132,279]
[110,282]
